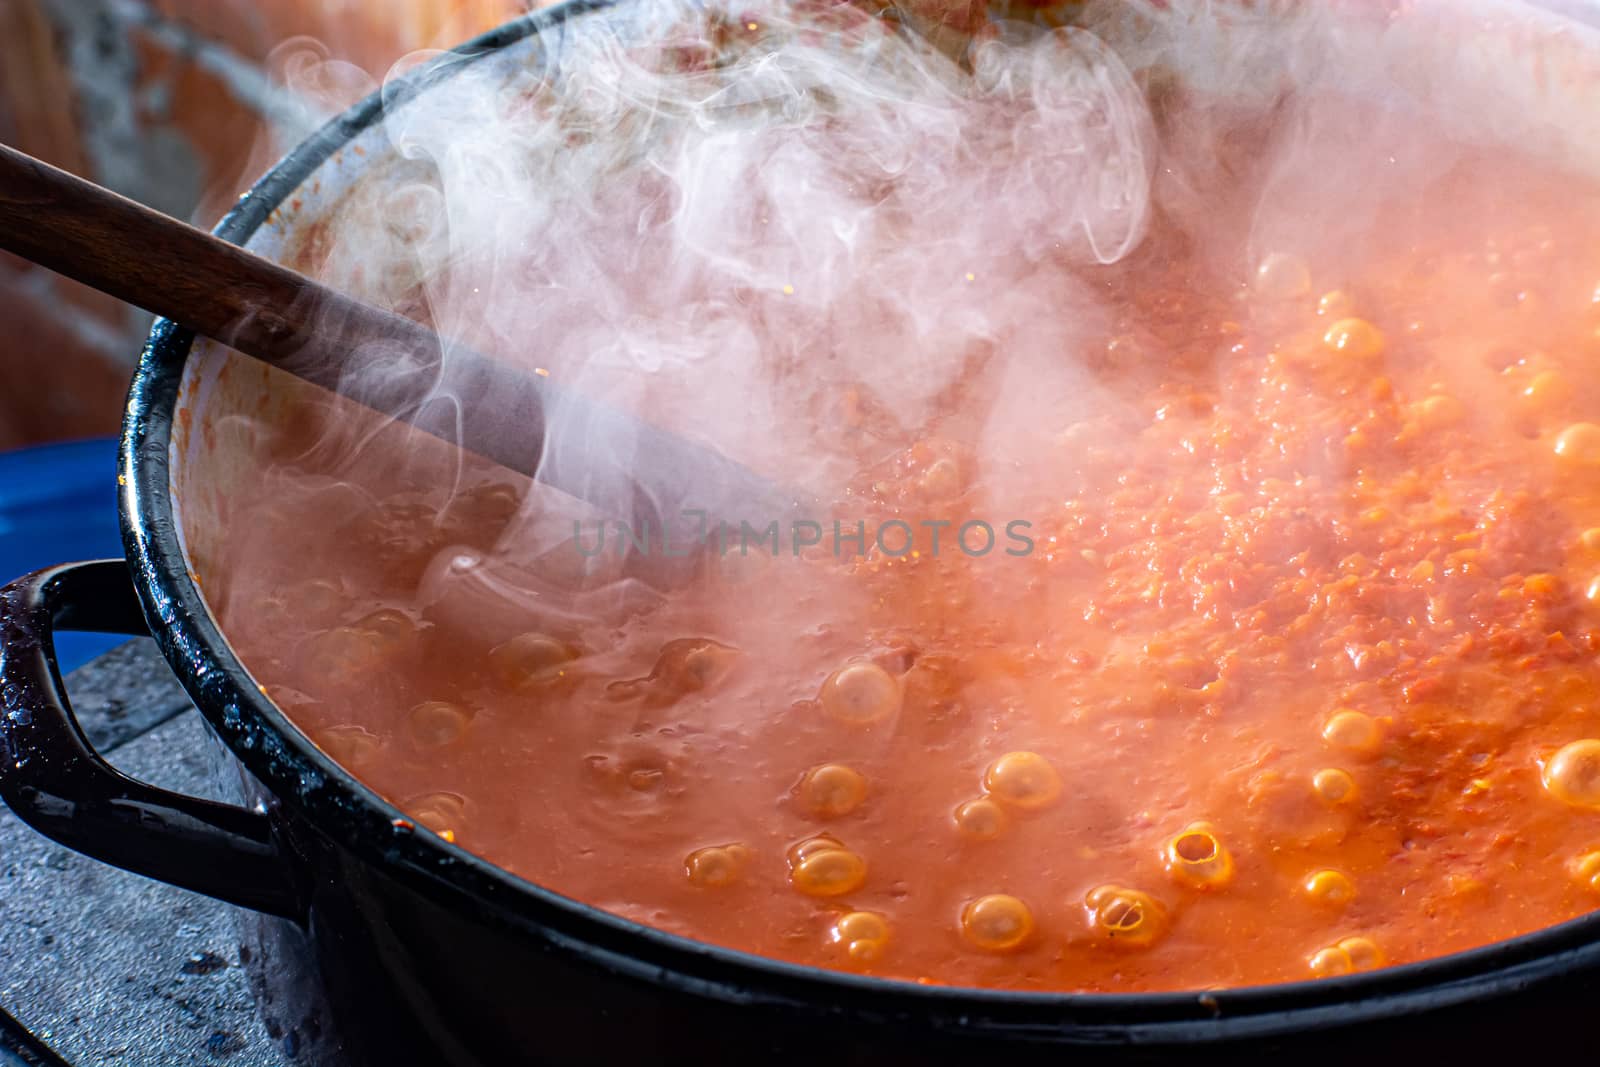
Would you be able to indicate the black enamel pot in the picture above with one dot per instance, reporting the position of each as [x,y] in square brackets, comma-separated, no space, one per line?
[431,955]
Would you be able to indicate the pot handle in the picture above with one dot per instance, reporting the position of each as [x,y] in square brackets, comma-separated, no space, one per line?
[58,784]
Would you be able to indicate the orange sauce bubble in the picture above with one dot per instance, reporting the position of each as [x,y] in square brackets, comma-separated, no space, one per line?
[1023,780]
[997,923]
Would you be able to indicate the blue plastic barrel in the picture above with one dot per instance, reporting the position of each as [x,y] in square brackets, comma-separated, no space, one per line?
[58,504]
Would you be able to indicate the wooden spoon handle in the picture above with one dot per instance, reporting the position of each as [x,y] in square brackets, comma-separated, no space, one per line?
[385,361]
[174,270]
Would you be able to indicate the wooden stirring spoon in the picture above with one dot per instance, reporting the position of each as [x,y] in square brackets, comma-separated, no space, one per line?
[622,465]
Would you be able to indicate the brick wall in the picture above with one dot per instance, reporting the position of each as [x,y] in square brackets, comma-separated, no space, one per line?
[177,103]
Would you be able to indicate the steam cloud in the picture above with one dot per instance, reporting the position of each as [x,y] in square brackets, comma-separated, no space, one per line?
[729,218]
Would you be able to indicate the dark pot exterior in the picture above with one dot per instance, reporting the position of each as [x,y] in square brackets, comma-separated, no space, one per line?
[429,955]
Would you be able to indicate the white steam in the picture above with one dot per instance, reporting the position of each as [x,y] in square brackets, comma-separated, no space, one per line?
[737,221]
[731,221]
[721,233]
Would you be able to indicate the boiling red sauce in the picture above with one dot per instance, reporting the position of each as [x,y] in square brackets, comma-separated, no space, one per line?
[1300,676]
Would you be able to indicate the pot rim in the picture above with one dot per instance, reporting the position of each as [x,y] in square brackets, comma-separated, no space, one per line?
[322,794]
